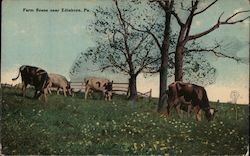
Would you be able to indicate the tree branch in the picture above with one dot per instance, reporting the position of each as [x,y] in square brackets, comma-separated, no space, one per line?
[116,65]
[114,42]
[177,18]
[162,4]
[216,53]
[239,12]
[106,67]
[146,31]
[190,18]
[139,44]
[211,4]
[144,66]
[192,37]
[120,16]
[125,37]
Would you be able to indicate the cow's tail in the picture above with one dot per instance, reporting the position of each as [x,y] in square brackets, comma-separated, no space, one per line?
[19,71]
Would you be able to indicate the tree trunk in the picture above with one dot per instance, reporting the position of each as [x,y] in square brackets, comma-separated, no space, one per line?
[164,57]
[132,88]
[163,78]
[179,62]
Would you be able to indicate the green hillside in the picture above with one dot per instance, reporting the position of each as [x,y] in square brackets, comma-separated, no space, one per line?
[72,125]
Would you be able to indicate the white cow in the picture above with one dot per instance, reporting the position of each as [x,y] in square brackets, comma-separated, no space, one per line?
[59,81]
[98,84]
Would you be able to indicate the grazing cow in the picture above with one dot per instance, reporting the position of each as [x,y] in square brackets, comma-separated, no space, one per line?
[190,96]
[98,84]
[36,77]
[59,81]
[178,103]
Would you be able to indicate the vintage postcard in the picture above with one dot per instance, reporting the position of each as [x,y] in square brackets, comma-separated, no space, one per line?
[116,77]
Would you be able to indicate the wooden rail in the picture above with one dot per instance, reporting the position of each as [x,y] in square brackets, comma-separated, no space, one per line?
[117,87]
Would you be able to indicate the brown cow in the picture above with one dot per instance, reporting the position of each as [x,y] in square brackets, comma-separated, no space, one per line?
[98,84]
[59,81]
[190,96]
[36,77]
[177,103]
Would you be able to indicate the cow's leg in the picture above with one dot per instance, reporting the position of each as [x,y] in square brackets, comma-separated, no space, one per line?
[69,92]
[179,111]
[175,104]
[197,111]
[45,92]
[89,93]
[189,110]
[110,97]
[49,90]
[170,105]
[64,91]
[105,95]
[86,92]
[58,91]
[37,94]
[24,88]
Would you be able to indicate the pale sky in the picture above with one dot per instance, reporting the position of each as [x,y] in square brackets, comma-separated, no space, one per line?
[53,41]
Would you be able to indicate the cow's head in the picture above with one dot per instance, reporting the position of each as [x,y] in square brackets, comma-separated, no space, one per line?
[210,113]
[69,89]
[108,87]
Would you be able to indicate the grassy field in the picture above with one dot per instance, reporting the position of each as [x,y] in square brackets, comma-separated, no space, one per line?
[72,125]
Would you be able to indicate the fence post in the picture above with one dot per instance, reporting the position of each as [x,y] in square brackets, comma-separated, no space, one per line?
[150,93]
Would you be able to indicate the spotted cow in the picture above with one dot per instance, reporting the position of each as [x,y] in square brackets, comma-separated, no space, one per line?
[36,77]
[98,84]
[189,97]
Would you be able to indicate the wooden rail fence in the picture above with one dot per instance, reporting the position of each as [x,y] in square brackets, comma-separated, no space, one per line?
[119,88]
